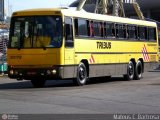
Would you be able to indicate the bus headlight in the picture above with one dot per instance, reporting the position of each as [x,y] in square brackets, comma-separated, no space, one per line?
[54,72]
[11,72]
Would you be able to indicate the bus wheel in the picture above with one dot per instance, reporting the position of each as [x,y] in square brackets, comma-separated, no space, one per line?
[81,74]
[138,71]
[130,71]
[38,83]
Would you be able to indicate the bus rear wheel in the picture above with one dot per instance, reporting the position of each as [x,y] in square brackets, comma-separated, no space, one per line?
[138,70]
[81,75]
[130,71]
[38,83]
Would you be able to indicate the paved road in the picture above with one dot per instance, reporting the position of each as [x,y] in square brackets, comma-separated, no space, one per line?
[100,96]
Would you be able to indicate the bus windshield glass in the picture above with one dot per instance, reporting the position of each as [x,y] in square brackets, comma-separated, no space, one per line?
[36,32]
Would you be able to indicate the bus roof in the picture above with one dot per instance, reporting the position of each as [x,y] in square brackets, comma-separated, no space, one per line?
[110,18]
[82,14]
[40,11]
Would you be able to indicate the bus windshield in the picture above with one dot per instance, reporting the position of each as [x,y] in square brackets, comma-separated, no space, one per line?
[36,32]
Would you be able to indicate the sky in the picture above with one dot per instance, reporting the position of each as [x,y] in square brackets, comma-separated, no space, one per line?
[15,5]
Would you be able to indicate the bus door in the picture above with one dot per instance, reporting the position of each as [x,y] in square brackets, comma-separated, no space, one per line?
[69,42]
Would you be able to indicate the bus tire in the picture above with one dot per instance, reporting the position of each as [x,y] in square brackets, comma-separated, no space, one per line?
[130,71]
[138,70]
[82,77]
[38,83]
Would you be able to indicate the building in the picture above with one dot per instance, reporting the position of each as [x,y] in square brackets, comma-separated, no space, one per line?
[150,8]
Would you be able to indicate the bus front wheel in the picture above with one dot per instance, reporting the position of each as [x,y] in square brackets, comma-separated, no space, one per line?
[130,71]
[81,75]
[38,83]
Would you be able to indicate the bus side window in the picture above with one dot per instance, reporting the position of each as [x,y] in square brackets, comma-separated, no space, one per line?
[121,31]
[68,32]
[101,29]
[142,33]
[132,33]
[146,33]
[91,29]
[116,30]
[97,28]
[82,27]
[113,29]
[110,30]
[104,30]
[152,34]
[137,33]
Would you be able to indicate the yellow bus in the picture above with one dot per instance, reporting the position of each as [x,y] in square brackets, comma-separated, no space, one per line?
[49,44]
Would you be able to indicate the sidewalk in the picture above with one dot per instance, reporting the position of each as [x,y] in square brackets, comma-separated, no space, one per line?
[3,75]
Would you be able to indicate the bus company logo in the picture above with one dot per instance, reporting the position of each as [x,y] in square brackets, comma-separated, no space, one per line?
[4,117]
[91,60]
[145,54]
[9,117]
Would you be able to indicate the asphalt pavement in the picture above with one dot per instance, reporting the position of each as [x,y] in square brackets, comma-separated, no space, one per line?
[100,96]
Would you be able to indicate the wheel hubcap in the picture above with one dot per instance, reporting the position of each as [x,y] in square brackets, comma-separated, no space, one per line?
[131,70]
[139,70]
[81,73]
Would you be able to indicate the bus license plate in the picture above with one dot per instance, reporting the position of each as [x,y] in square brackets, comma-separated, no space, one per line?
[31,73]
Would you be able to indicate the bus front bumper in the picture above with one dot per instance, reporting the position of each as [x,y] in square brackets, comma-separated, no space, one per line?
[32,73]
